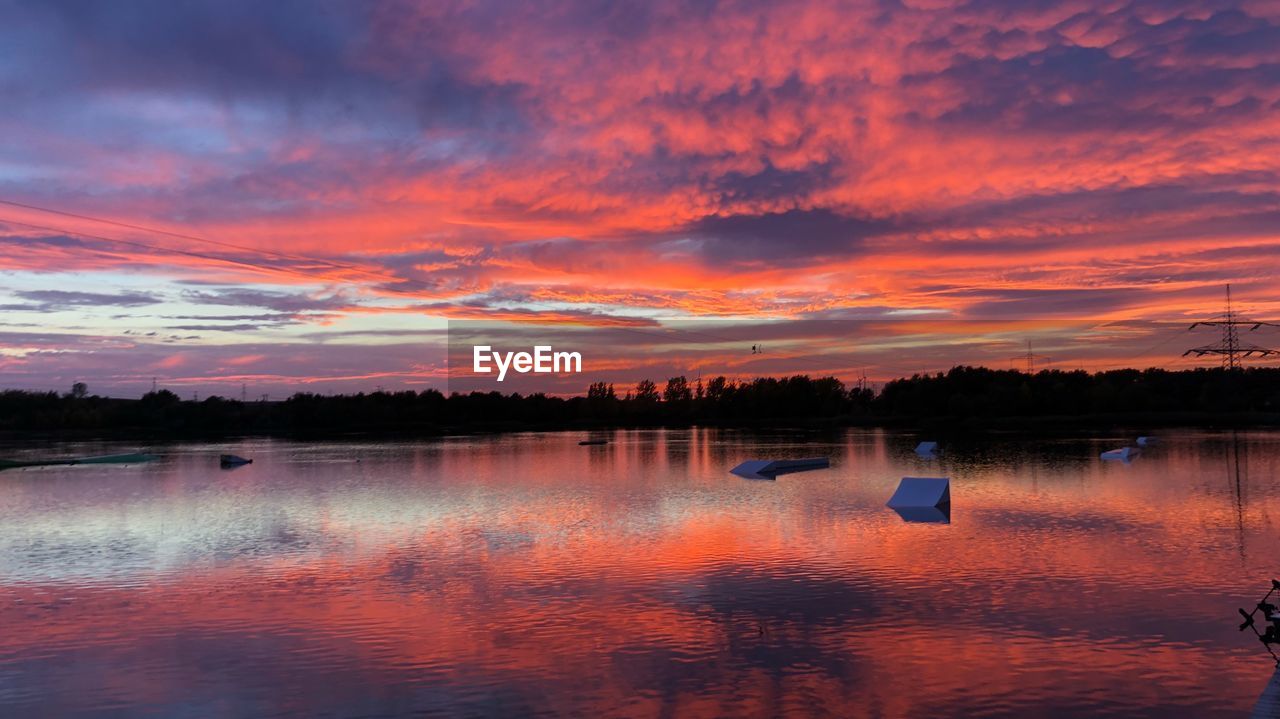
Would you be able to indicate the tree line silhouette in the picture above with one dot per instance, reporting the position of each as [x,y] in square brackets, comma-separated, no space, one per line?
[960,395]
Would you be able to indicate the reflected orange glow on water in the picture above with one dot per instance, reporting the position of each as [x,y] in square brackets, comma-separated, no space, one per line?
[526,575]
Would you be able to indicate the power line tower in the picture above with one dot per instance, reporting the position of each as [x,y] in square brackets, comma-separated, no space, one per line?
[1230,347]
[1030,358]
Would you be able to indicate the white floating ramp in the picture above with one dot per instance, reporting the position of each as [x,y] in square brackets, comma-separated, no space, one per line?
[921,492]
[770,469]
[1123,454]
[927,449]
[923,499]
[105,459]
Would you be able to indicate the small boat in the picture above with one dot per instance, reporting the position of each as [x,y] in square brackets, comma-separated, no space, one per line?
[1147,441]
[134,458]
[586,442]
[231,460]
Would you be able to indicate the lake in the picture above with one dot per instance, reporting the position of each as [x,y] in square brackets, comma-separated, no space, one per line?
[525,575]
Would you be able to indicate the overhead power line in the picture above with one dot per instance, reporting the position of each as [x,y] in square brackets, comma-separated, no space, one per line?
[1229,347]
[333,264]
[262,267]
[170,250]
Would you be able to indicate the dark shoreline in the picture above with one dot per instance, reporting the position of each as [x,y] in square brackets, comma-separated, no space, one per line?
[935,426]
[960,401]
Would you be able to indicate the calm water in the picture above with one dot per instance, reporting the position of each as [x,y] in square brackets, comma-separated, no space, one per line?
[526,575]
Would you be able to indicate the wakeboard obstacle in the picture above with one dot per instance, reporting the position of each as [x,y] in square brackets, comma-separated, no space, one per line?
[922,499]
[771,468]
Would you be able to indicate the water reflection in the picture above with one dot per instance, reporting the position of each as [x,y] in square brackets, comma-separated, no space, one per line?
[527,575]
[925,515]
[1237,471]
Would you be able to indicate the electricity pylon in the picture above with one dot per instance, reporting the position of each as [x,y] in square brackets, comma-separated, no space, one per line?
[1030,358]
[1230,347]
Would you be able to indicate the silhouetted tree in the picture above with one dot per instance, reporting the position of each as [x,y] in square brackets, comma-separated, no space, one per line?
[646,391]
[677,390]
[962,392]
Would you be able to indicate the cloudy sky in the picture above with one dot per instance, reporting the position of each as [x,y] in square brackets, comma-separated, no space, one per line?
[299,195]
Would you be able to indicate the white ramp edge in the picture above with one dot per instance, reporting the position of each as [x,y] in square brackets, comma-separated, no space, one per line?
[921,492]
[1124,453]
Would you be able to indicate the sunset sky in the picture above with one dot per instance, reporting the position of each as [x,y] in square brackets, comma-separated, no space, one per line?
[299,195]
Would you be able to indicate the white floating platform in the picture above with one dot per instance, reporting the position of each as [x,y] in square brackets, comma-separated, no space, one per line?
[771,468]
[921,492]
[927,449]
[1123,454]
